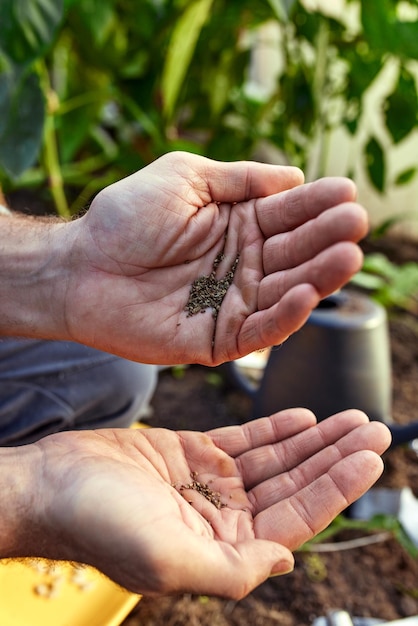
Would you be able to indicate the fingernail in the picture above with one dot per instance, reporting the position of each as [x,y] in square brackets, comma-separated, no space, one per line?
[282,568]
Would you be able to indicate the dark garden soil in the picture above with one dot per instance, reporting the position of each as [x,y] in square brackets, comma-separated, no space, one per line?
[379,580]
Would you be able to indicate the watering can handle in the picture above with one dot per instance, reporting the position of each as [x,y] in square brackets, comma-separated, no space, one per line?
[236,378]
[403,433]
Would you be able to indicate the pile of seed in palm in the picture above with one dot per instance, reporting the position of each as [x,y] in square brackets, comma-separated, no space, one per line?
[207,292]
[203,488]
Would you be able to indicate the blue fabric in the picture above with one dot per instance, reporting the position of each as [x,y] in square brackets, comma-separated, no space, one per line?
[50,386]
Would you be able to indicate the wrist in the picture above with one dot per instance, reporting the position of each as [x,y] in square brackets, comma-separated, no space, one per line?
[20,534]
[33,259]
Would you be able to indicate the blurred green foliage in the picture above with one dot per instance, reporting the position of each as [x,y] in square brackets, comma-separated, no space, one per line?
[394,286]
[92,90]
[378,523]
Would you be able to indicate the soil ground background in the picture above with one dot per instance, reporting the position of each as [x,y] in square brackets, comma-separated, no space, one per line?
[379,580]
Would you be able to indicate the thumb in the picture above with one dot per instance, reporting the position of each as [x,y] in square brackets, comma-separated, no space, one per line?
[248,564]
[232,570]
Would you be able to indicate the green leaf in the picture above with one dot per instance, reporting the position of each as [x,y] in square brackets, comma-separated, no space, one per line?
[382,229]
[401,107]
[98,17]
[394,285]
[220,82]
[404,288]
[278,9]
[22,111]
[178,371]
[180,51]
[364,66]
[385,33]
[6,87]
[406,176]
[28,27]
[378,19]
[408,40]
[367,281]
[375,163]
[281,8]
[378,263]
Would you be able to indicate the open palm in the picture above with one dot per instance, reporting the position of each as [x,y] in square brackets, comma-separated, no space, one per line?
[146,239]
[161,511]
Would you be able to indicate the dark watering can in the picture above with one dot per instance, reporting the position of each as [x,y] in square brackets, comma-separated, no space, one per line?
[340,359]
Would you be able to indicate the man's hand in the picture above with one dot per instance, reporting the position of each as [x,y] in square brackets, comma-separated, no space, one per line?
[160,511]
[280,245]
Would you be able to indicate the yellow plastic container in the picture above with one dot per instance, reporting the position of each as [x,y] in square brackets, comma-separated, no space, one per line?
[45,593]
[35,592]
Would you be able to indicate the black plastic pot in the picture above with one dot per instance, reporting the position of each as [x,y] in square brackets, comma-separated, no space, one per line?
[340,359]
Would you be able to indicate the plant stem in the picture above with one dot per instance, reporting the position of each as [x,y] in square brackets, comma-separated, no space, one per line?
[50,151]
[350,544]
[53,168]
[318,88]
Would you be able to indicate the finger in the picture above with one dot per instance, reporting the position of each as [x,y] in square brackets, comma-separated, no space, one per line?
[346,222]
[289,209]
[297,519]
[279,457]
[373,436]
[272,326]
[327,272]
[244,180]
[218,568]
[237,440]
